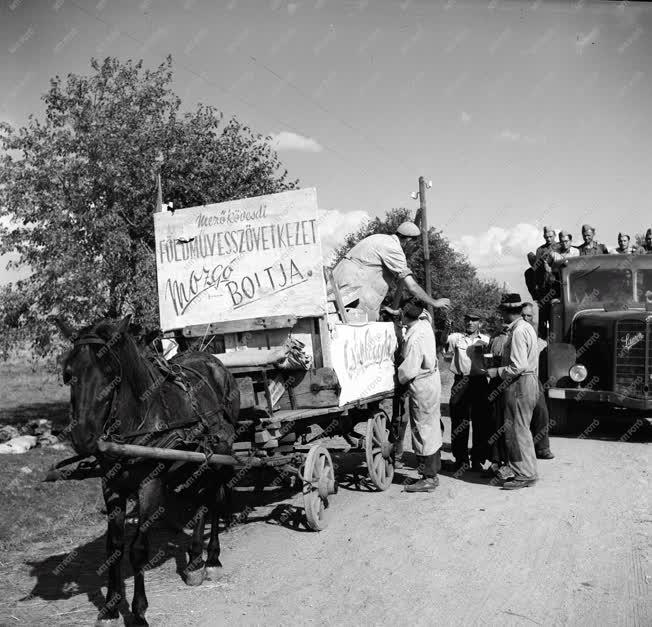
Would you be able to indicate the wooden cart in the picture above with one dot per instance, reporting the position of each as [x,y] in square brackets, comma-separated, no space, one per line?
[242,279]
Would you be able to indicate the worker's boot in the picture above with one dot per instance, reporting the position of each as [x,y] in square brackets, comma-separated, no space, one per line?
[425,484]
[428,467]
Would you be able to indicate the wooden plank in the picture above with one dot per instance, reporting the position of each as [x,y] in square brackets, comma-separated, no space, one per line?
[247,395]
[325,341]
[240,326]
[290,415]
[341,309]
[317,388]
[263,436]
[241,446]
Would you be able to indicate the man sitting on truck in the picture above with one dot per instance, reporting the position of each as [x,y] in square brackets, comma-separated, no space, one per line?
[625,247]
[590,245]
[365,273]
[646,249]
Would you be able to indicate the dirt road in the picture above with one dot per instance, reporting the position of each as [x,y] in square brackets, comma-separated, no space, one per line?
[575,549]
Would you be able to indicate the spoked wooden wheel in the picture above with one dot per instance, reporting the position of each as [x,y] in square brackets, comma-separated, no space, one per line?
[378,448]
[318,485]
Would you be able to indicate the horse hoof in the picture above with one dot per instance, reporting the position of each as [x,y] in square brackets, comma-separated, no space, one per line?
[213,573]
[107,622]
[194,577]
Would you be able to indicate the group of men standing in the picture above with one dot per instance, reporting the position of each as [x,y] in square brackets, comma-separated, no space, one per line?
[496,390]
[497,399]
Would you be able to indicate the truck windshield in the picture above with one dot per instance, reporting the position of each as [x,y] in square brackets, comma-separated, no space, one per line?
[643,284]
[600,285]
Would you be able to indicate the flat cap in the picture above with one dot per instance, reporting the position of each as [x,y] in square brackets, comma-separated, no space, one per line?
[408,229]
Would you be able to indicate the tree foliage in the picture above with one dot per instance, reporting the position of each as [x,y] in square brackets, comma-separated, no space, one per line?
[452,276]
[79,185]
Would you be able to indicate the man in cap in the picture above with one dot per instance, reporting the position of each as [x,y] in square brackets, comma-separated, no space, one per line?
[590,245]
[365,273]
[419,372]
[518,373]
[545,281]
[646,249]
[625,247]
[469,394]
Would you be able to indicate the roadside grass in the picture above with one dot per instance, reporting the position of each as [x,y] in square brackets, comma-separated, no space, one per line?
[33,511]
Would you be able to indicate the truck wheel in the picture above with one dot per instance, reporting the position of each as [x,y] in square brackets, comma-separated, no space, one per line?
[559,416]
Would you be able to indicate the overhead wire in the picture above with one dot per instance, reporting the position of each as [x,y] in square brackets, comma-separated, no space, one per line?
[201,76]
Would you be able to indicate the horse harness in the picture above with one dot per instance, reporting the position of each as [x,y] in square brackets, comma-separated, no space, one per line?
[171,431]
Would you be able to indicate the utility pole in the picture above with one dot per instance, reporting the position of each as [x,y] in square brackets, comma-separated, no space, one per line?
[425,241]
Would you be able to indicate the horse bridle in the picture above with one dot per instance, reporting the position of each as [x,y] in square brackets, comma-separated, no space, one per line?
[113,408]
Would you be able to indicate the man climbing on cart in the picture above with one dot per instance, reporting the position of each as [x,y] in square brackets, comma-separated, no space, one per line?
[364,275]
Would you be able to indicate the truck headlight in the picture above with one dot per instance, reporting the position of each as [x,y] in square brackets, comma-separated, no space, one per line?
[578,373]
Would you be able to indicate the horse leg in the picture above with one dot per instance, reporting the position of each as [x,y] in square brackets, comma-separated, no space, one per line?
[149,510]
[116,503]
[221,500]
[194,571]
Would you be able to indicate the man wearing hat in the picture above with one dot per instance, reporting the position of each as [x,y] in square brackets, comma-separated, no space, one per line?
[544,279]
[624,245]
[469,394]
[419,372]
[518,372]
[365,273]
[646,249]
[590,245]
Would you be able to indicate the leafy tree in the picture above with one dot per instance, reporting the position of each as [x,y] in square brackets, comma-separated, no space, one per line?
[451,273]
[80,187]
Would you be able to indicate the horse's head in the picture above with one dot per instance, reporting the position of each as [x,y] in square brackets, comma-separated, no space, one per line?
[94,372]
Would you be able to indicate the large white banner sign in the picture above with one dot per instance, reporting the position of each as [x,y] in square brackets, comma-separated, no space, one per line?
[363,358]
[249,258]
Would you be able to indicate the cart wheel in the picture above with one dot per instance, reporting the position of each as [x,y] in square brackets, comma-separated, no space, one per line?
[380,462]
[318,484]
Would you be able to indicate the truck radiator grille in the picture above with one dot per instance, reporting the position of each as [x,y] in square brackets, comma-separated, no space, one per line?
[633,358]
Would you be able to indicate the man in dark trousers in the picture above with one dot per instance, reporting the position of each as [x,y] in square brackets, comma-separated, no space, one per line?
[544,278]
[468,401]
[497,451]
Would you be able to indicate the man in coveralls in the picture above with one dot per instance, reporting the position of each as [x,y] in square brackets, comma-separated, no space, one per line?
[420,373]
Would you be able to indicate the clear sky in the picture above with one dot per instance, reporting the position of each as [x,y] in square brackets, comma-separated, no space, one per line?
[521,113]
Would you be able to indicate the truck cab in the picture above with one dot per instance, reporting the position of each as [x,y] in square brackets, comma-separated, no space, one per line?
[599,355]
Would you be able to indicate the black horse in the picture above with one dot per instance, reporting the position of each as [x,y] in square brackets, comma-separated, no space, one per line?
[118,395]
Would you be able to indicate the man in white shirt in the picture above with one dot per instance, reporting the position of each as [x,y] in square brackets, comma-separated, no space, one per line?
[419,372]
[469,394]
